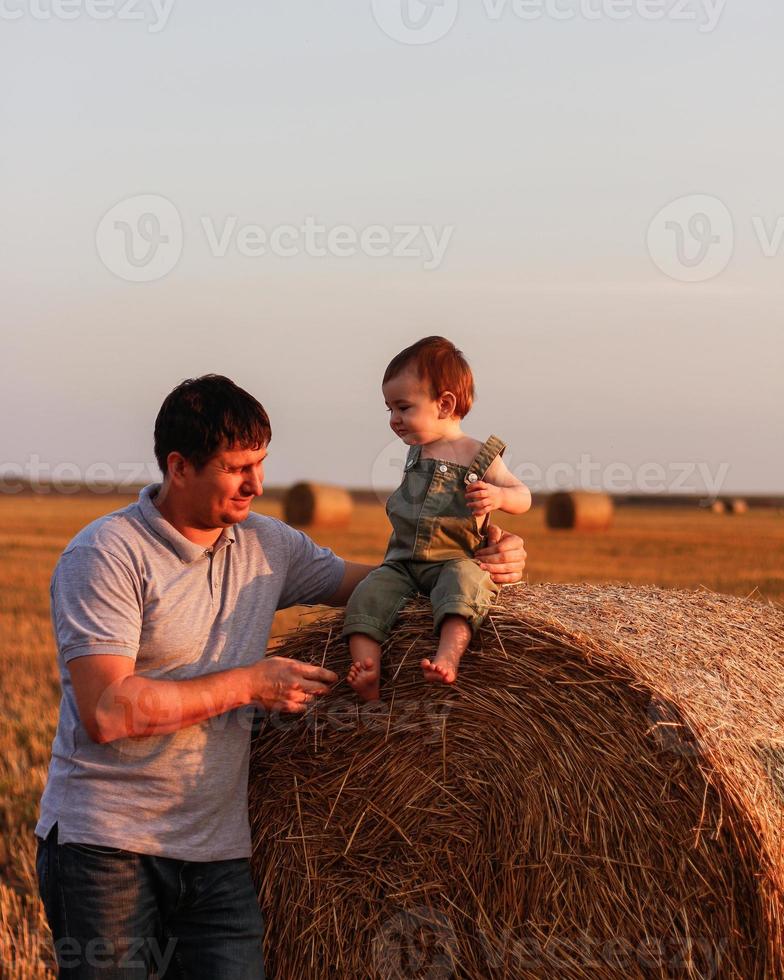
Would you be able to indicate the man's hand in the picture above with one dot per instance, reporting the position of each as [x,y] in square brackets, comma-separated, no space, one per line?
[503,556]
[280,684]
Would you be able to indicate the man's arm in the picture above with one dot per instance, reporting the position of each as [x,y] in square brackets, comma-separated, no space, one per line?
[97,607]
[114,702]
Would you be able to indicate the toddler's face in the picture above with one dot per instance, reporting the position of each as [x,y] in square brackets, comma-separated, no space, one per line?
[413,413]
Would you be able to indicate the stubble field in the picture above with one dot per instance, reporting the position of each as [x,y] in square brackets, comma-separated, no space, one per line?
[669,547]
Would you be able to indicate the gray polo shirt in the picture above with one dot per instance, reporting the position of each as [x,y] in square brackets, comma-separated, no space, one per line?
[129,584]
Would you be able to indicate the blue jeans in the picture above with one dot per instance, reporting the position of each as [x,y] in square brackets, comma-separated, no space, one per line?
[118,915]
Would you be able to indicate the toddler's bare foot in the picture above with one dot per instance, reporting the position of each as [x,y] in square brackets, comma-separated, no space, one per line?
[442,669]
[453,640]
[364,676]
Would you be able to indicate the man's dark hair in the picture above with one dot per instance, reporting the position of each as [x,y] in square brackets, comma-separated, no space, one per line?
[204,415]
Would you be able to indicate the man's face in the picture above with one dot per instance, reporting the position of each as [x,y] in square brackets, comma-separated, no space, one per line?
[221,492]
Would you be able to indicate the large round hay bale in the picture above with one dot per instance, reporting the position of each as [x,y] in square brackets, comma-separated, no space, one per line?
[719,507]
[738,506]
[580,510]
[601,794]
[317,505]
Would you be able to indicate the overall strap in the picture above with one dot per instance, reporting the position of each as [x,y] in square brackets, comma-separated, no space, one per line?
[481,462]
[413,456]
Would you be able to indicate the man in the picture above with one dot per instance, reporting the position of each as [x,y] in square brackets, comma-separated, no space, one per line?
[162,613]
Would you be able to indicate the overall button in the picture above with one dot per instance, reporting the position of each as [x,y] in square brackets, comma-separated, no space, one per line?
[443,468]
[472,477]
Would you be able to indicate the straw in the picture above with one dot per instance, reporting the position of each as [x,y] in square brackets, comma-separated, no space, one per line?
[601,794]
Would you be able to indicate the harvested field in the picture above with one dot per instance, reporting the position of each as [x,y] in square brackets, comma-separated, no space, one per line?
[671,547]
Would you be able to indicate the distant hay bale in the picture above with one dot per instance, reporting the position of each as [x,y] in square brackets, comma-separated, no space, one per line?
[317,505]
[601,794]
[580,510]
[737,506]
[719,507]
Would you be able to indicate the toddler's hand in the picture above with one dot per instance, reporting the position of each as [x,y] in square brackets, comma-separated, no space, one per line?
[483,497]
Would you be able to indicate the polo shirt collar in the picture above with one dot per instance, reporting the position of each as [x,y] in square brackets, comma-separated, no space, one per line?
[187,551]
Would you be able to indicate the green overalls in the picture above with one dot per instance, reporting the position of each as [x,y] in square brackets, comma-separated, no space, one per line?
[434,536]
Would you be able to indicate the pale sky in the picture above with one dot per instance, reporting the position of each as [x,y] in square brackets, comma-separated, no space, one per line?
[536,153]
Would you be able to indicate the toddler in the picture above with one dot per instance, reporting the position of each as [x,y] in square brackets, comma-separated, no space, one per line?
[450,483]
